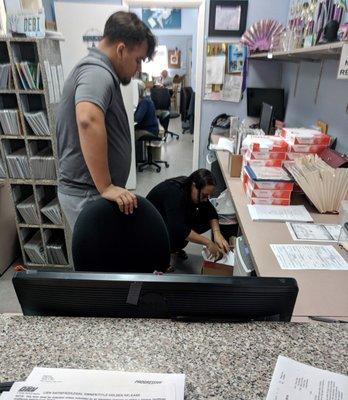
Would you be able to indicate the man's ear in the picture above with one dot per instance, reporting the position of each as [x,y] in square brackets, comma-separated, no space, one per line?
[120,49]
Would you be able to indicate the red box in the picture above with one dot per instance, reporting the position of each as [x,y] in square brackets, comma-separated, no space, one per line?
[270,185]
[307,148]
[269,201]
[264,163]
[262,193]
[269,155]
[266,144]
[305,136]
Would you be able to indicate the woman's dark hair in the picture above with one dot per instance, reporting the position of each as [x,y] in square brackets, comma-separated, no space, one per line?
[201,178]
[128,28]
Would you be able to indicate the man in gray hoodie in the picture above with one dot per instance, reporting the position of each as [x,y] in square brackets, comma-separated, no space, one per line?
[93,136]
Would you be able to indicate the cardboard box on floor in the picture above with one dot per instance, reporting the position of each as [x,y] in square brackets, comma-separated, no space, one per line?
[211,268]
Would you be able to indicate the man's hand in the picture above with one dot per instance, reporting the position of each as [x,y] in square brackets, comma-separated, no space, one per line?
[221,242]
[126,200]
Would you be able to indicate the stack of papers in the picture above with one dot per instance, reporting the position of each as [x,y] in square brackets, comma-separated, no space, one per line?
[2,168]
[34,249]
[52,212]
[29,75]
[224,144]
[27,210]
[9,121]
[38,123]
[56,253]
[298,256]
[5,76]
[316,232]
[325,186]
[292,380]
[18,164]
[43,165]
[279,213]
[64,384]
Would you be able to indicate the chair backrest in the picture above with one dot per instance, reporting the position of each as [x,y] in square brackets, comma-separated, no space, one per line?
[183,104]
[191,113]
[161,98]
[106,240]
[189,92]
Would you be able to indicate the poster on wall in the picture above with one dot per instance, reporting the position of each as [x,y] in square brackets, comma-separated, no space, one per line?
[174,59]
[162,18]
[236,54]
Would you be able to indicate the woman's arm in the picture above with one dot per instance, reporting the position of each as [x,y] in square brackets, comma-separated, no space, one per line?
[213,248]
[218,238]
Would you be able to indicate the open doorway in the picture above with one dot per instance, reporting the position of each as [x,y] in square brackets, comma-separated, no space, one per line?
[175,45]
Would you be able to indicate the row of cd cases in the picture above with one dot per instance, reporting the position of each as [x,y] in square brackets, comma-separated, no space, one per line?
[55,249]
[6,81]
[42,164]
[10,123]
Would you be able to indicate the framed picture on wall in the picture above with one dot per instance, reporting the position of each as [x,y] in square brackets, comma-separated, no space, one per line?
[174,59]
[227,17]
[158,18]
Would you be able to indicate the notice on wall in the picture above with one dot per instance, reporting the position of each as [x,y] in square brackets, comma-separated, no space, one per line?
[343,67]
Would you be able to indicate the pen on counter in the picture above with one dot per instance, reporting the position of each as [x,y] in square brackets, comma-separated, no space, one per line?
[328,320]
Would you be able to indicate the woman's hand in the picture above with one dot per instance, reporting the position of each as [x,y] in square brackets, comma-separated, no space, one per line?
[214,250]
[221,242]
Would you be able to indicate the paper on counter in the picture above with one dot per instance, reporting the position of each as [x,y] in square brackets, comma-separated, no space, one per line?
[227,259]
[293,380]
[259,212]
[300,256]
[90,390]
[315,232]
[223,144]
[55,376]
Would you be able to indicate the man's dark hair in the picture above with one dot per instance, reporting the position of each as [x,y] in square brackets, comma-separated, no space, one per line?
[128,28]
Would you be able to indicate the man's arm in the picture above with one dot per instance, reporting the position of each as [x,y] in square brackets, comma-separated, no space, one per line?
[93,139]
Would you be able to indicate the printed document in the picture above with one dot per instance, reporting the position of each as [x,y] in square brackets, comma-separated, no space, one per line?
[215,70]
[315,232]
[90,390]
[293,380]
[260,212]
[56,376]
[311,256]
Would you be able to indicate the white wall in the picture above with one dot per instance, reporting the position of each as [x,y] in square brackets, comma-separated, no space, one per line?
[188,28]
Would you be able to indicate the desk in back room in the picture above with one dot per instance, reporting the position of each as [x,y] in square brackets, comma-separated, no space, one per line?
[321,293]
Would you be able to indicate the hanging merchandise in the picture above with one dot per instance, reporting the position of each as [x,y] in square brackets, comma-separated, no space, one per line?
[264,35]
[225,72]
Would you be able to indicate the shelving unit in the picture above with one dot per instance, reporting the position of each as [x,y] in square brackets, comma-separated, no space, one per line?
[314,53]
[37,187]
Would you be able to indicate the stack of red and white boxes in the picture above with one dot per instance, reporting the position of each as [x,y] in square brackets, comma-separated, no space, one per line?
[264,179]
[304,141]
[267,185]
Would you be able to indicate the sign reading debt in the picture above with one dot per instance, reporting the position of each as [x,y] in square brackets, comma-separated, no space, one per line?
[28,23]
[343,67]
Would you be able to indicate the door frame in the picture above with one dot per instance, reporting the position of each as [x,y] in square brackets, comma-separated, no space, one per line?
[200,5]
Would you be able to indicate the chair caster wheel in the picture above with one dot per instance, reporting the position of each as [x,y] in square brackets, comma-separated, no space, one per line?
[158,169]
[167,165]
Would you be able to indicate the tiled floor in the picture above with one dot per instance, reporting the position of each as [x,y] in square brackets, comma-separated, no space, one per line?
[178,153]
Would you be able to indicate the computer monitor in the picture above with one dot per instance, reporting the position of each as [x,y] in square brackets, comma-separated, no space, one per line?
[190,297]
[274,97]
[266,119]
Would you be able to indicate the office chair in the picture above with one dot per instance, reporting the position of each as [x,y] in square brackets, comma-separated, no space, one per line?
[119,242]
[164,118]
[148,138]
[188,126]
[162,100]
[266,118]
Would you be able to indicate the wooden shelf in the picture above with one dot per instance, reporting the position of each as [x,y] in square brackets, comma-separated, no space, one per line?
[45,226]
[36,182]
[314,53]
